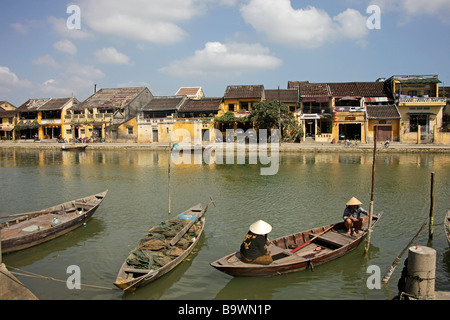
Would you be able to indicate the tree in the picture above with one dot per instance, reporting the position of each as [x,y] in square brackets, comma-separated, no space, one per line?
[269,115]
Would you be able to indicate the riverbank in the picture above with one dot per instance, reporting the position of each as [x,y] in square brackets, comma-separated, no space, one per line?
[310,146]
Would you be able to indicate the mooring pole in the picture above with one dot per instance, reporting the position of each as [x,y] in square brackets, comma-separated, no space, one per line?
[369,230]
[430,230]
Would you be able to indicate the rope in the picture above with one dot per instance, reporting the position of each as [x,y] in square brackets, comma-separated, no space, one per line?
[34,275]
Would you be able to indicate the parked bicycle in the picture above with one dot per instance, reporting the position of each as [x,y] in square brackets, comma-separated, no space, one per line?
[348,143]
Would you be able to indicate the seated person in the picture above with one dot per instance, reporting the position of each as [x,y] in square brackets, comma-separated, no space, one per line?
[254,247]
[352,214]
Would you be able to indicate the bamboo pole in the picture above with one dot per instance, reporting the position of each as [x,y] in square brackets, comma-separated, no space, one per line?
[168,172]
[369,231]
[397,260]
[431,216]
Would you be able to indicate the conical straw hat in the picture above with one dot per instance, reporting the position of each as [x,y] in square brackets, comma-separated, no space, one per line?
[353,202]
[260,227]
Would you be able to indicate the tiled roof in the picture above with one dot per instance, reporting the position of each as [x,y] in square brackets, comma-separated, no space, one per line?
[286,95]
[188,91]
[164,103]
[111,98]
[382,112]
[372,89]
[44,104]
[343,89]
[314,90]
[32,105]
[56,104]
[244,91]
[7,114]
[206,105]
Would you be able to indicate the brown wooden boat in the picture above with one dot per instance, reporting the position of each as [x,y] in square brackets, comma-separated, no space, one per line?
[74,147]
[299,251]
[169,255]
[30,229]
[447,226]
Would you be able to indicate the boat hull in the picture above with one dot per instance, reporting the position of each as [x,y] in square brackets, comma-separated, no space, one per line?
[285,261]
[142,277]
[15,235]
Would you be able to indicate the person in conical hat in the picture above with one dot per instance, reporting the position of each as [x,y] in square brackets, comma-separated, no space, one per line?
[254,247]
[352,215]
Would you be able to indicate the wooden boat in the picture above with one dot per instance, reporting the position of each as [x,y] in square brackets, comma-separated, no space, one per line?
[30,229]
[73,147]
[314,247]
[131,277]
[447,226]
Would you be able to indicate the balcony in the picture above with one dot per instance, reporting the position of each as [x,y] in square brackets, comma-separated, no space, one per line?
[90,118]
[349,109]
[432,101]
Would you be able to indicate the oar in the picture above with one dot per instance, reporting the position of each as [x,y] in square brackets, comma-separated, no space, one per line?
[309,241]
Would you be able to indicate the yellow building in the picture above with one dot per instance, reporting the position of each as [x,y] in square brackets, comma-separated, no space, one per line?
[419,105]
[100,116]
[43,119]
[385,120]
[8,118]
[164,116]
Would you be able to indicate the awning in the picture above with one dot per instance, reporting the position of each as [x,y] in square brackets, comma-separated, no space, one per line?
[310,116]
[349,98]
[377,99]
[8,129]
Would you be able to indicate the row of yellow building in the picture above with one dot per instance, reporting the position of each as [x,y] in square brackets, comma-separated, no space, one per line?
[405,108]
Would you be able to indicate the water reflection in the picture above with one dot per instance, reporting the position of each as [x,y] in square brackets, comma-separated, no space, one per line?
[309,190]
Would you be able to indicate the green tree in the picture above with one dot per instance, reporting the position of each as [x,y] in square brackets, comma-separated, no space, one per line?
[269,115]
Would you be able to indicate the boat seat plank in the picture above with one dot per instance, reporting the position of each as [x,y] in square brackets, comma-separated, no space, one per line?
[336,238]
[132,270]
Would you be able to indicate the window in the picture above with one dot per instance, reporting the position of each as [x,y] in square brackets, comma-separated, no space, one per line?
[130,130]
[231,107]
[244,106]
[416,120]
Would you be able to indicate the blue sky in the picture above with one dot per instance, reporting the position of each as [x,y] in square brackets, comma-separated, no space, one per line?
[167,44]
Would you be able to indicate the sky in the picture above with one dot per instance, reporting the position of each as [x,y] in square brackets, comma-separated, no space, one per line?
[53,49]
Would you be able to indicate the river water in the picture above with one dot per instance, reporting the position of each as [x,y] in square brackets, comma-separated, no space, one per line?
[308,190]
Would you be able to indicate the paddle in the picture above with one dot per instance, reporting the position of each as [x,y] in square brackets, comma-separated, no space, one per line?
[309,241]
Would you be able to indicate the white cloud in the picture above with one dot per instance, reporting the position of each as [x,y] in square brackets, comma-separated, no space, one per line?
[111,55]
[155,21]
[9,80]
[218,58]
[65,46]
[19,27]
[307,28]
[59,26]
[71,77]
[46,60]
[413,8]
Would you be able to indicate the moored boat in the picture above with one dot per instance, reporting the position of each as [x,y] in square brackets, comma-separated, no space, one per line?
[299,251]
[162,249]
[29,229]
[73,147]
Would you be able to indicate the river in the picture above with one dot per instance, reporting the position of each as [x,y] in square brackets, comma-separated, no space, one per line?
[308,190]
